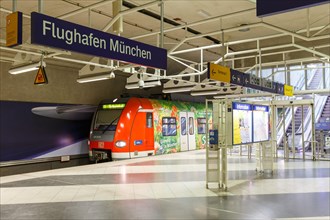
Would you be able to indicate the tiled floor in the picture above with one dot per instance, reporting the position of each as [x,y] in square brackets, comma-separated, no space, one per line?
[169,187]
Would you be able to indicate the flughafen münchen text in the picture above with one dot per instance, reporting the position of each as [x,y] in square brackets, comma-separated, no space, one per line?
[74,37]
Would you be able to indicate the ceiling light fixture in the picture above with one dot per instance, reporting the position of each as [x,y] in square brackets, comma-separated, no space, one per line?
[244,29]
[93,77]
[26,68]
[204,93]
[203,13]
[179,89]
[139,85]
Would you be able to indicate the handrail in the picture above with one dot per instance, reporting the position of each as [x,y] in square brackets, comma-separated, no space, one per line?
[319,103]
[288,113]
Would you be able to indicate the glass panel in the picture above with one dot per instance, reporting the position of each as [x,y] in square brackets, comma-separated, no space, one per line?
[149,120]
[183,126]
[201,125]
[169,126]
[191,125]
[106,119]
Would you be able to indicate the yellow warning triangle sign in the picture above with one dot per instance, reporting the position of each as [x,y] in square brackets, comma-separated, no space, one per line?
[41,77]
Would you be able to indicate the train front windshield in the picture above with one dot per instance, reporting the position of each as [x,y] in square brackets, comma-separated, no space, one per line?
[107,119]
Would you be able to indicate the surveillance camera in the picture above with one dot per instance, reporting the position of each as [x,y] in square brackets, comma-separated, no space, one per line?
[112,75]
[141,84]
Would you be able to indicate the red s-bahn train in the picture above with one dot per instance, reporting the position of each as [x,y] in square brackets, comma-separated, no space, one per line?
[139,127]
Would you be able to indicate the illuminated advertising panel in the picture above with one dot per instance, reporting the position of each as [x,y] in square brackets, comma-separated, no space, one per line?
[260,123]
[242,123]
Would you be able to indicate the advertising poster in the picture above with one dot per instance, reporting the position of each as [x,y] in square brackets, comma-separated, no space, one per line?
[260,123]
[242,123]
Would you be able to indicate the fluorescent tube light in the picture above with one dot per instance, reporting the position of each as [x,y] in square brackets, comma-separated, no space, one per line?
[26,68]
[179,89]
[93,78]
[138,85]
[204,93]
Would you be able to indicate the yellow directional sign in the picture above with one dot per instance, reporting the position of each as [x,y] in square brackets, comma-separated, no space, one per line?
[14,29]
[41,77]
[288,90]
[219,73]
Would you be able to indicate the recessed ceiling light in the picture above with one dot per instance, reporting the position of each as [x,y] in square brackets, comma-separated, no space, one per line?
[244,29]
[203,13]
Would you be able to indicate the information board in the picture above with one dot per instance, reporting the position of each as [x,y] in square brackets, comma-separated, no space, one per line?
[260,123]
[242,123]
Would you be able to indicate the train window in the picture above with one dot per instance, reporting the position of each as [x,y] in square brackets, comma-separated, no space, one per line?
[106,120]
[191,125]
[169,126]
[149,120]
[183,126]
[201,125]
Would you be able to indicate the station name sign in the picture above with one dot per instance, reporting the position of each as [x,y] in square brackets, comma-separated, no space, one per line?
[215,72]
[53,32]
[267,7]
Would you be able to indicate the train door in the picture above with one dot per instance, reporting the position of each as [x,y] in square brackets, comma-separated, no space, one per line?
[191,131]
[142,135]
[187,132]
[183,131]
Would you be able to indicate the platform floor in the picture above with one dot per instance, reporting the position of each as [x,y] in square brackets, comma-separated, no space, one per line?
[169,187]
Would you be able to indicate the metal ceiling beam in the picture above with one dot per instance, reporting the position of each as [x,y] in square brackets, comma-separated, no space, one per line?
[85,9]
[183,26]
[128,11]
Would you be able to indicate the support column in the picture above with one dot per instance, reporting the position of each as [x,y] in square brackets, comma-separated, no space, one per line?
[303,133]
[293,133]
[40,6]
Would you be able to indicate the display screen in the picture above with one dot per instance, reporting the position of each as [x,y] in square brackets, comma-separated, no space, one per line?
[260,123]
[113,106]
[242,123]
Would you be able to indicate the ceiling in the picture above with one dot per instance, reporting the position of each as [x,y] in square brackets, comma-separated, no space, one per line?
[195,32]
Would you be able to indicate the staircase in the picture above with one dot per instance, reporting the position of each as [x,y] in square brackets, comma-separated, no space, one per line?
[314,84]
[326,110]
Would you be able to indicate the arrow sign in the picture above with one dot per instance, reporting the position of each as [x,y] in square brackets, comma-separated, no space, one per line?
[218,73]
[236,77]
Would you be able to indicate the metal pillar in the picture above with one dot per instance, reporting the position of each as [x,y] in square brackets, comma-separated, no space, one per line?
[303,132]
[273,129]
[293,133]
[162,24]
[14,5]
[313,130]
[40,6]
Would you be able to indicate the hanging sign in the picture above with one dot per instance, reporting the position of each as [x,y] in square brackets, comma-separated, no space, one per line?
[53,32]
[41,77]
[14,29]
[236,77]
[280,88]
[266,7]
[288,90]
[218,72]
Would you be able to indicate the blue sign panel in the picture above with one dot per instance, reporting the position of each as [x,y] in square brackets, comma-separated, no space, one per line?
[138,142]
[268,86]
[267,7]
[213,136]
[242,106]
[280,88]
[236,77]
[254,83]
[324,126]
[263,108]
[53,32]
[246,80]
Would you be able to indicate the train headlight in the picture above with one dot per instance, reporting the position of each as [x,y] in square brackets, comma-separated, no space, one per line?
[121,144]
